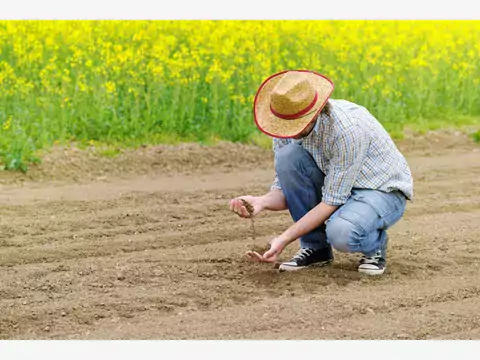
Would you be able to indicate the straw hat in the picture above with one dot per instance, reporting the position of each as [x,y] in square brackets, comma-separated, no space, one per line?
[288,101]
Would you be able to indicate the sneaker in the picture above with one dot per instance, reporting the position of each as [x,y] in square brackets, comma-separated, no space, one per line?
[372,265]
[308,257]
[376,264]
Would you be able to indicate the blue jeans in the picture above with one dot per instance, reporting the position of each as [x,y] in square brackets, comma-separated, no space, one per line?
[357,226]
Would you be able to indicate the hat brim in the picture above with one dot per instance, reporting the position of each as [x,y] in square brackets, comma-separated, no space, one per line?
[274,126]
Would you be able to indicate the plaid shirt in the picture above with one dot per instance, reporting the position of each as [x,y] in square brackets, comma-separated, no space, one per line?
[353,150]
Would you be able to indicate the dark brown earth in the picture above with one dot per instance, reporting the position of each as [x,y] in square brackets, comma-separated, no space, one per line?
[143,246]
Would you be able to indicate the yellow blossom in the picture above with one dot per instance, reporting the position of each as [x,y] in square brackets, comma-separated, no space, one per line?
[110,87]
[7,123]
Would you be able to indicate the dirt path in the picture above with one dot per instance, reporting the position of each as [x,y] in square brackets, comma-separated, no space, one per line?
[161,257]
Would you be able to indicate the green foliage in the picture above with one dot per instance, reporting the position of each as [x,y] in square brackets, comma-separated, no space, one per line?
[127,83]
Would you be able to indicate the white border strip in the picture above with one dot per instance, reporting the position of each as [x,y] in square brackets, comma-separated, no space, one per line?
[243,9]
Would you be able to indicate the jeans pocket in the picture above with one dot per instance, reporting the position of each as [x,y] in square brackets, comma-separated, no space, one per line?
[388,206]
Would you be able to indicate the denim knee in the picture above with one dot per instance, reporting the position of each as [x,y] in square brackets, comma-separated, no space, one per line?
[289,158]
[343,235]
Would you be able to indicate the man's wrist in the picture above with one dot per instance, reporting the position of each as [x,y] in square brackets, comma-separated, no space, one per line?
[261,201]
[285,239]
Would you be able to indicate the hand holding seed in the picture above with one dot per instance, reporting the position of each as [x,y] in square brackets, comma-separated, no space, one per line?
[246,206]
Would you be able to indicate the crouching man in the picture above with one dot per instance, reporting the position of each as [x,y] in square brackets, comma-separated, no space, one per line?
[338,172]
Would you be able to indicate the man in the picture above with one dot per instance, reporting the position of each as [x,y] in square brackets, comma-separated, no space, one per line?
[338,172]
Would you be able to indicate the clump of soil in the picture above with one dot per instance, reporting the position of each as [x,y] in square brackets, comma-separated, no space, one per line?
[248,206]
[250,210]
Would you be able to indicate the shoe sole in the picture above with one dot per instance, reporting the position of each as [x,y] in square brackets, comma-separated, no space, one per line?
[284,267]
[372,271]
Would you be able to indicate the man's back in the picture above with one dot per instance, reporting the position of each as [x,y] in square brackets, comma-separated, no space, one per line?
[348,134]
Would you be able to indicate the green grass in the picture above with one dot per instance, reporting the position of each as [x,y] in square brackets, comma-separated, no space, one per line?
[130,83]
[109,152]
[476,136]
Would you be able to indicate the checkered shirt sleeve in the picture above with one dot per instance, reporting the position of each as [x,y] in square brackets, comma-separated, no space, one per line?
[348,154]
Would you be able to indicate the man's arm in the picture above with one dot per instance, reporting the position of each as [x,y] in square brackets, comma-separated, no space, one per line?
[309,222]
[274,200]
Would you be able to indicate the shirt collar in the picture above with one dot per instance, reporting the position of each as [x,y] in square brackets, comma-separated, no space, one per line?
[320,119]
[315,131]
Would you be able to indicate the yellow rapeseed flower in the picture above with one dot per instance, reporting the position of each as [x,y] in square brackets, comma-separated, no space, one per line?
[7,123]
[110,87]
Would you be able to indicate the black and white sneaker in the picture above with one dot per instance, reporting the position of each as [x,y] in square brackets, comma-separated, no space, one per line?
[376,264]
[373,265]
[308,257]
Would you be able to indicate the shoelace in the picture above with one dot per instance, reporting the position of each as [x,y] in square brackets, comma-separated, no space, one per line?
[302,253]
[371,259]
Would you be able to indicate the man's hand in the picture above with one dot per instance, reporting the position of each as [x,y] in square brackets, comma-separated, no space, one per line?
[276,247]
[237,206]
[274,200]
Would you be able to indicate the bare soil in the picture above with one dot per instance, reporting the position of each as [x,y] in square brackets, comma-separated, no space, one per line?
[143,246]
